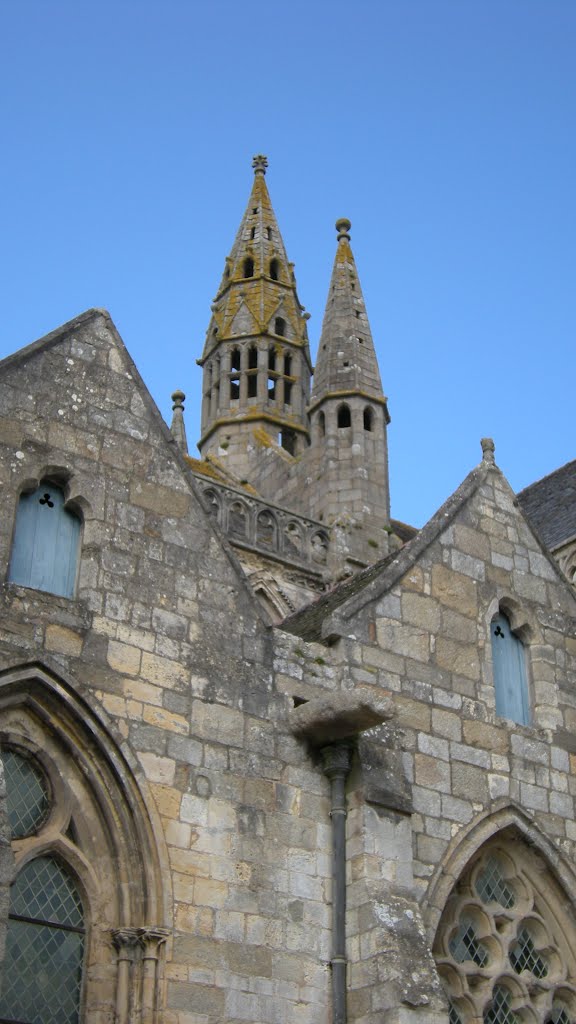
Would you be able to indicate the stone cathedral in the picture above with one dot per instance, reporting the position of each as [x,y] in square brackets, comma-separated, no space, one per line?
[270,755]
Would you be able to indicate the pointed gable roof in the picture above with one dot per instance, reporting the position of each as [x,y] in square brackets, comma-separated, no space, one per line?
[346,359]
[257,273]
[87,338]
[328,617]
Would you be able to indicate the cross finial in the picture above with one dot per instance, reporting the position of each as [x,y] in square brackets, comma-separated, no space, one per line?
[259,163]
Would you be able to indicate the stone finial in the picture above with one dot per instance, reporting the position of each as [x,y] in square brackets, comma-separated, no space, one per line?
[177,429]
[488,448]
[343,227]
[259,163]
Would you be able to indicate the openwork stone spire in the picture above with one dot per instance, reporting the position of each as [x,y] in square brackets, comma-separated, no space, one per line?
[258,280]
[256,358]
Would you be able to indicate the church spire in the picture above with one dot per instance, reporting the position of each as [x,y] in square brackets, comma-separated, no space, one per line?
[349,415]
[256,357]
[346,360]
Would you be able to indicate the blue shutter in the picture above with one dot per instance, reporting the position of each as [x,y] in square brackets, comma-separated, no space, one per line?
[510,680]
[46,543]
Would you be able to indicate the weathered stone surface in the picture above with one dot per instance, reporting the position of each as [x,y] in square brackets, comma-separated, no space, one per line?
[186,787]
[341,716]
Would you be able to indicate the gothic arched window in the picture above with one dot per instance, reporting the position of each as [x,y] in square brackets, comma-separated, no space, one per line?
[44,946]
[510,678]
[504,948]
[46,542]
[274,269]
[248,267]
[84,866]
[45,936]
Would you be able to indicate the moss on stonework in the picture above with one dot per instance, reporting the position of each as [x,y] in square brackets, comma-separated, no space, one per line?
[205,468]
[262,438]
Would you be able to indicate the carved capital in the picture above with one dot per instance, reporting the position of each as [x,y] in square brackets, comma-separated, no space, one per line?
[126,941]
[151,940]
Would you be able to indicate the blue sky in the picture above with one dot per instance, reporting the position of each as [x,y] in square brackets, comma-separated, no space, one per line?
[444,129]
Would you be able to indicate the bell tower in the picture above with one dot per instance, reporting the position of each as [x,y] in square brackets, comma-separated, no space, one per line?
[256,359]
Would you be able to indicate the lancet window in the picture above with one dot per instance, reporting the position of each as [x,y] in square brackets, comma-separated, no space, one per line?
[46,542]
[85,874]
[510,677]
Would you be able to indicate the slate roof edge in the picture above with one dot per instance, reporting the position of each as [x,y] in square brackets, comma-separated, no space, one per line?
[537,483]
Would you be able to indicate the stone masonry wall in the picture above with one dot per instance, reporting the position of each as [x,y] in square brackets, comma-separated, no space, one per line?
[165,645]
[449,767]
[182,697]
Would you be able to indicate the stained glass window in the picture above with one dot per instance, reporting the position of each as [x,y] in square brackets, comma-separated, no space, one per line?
[500,1011]
[525,957]
[559,1016]
[44,947]
[464,944]
[492,887]
[27,794]
[504,944]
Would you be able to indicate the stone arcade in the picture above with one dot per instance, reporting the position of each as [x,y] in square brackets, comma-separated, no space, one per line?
[272,756]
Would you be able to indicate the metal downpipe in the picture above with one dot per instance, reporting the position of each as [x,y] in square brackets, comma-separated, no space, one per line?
[336,763]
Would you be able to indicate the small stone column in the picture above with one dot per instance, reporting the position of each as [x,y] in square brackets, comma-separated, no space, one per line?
[151,940]
[225,381]
[127,945]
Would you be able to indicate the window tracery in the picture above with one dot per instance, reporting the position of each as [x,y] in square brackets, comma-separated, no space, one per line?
[86,869]
[504,948]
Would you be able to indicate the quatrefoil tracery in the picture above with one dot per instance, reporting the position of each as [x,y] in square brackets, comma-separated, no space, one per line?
[496,957]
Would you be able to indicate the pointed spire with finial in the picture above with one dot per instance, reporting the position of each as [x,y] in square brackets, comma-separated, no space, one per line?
[256,358]
[346,360]
[258,281]
[177,428]
[348,413]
